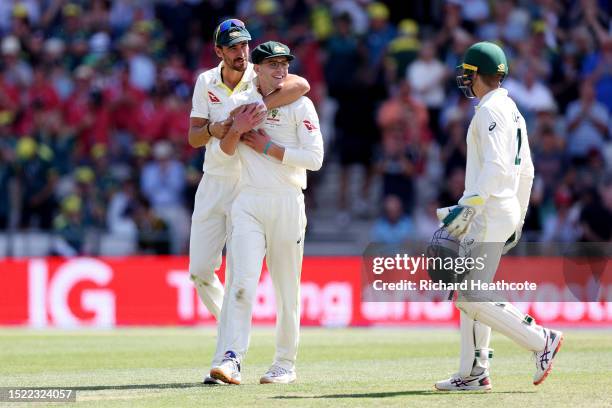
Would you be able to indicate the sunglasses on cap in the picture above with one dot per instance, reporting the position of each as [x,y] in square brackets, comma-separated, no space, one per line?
[227,24]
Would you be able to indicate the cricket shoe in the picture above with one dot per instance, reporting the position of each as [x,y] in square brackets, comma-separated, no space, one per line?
[278,375]
[208,380]
[229,369]
[544,358]
[480,382]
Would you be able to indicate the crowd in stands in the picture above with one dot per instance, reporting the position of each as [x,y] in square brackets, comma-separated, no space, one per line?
[95,99]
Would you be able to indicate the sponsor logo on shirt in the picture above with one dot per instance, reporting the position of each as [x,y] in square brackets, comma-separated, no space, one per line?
[309,125]
[213,98]
[492,126]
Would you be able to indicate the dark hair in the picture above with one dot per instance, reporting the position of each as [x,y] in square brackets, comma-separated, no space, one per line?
[492,80]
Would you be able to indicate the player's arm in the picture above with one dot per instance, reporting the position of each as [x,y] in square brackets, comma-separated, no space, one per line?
[293,88]
[310,153]
[245,119]
[200,128]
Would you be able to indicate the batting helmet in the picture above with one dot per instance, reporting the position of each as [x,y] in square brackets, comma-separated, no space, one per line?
[483,58]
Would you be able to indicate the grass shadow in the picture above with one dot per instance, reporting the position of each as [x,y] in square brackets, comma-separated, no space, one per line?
[137,386]
[397,394]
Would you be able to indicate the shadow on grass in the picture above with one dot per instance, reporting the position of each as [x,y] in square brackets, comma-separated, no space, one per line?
[397,394]
[137,386]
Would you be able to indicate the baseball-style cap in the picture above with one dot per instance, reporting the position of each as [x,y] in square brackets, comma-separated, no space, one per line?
[270,49]
[231,32]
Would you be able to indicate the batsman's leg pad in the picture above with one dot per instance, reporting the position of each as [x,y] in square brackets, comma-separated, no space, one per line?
[508,320]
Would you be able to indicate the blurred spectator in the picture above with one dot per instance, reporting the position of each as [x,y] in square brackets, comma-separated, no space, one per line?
[16,71]
[162,183]
[397,168]
[587,123]
[141,68]
[452,188]
[393,227]
[6,176]
[426,221]
[454,152]
[37,182]
[529,93]
[403,49]
[598,70]
[153,232]
[563,226]
[380,32]
[548,158]
[69,228]
[596,217]
[427,77]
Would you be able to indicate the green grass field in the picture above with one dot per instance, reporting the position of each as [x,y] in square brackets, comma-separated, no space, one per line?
[343,367]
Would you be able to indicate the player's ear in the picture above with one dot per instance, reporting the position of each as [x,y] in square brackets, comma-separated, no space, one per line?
[219,51]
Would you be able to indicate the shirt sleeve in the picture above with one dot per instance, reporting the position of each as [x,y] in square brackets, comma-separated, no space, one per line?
[309,154]
[199,102]
[526,174]
[491,132]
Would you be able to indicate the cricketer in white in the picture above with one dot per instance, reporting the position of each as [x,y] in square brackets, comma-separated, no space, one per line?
[489,219]
[219,184]
[268,215]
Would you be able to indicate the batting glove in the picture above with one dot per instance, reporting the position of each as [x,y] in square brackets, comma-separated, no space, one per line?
[513,240]
[459,218]
[441,213]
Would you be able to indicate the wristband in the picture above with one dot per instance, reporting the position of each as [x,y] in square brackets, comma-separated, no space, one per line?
[266,147]
[208,129]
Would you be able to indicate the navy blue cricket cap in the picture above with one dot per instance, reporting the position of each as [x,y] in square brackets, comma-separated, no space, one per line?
[231,32]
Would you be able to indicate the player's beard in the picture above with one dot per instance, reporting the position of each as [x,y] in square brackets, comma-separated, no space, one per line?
[237,64]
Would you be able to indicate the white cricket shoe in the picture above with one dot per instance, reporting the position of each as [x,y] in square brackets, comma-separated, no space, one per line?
[480,382]
[229,369]
[278,375]
[208,380]
[544,358]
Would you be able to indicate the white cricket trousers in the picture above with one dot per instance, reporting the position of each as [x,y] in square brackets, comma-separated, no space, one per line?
[209,227]
[271,224]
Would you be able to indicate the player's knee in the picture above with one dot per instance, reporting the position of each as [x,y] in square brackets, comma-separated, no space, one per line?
[466,307]
[241,294]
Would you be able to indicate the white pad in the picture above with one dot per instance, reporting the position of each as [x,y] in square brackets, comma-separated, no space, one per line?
[482,339]
[475,339]
[508,320]
[466,356]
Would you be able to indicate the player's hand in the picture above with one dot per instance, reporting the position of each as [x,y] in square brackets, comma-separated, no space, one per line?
[241,107]
[459,218]
[256,140]
[248,117]
[220,129]
[512,241]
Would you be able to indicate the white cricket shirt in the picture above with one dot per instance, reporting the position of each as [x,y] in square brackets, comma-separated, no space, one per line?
[498,152]
[296,128]
[210,97]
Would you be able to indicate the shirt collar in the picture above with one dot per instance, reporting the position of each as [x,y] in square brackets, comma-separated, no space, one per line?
[490,94]
[248,76]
